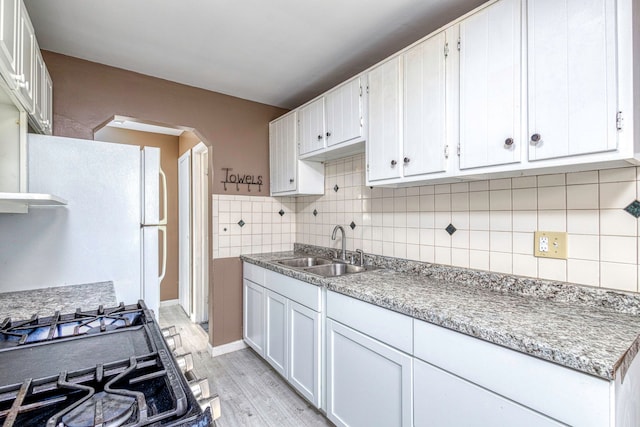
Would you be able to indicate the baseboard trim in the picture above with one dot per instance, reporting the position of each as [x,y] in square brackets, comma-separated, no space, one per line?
[225,348]
[169,302]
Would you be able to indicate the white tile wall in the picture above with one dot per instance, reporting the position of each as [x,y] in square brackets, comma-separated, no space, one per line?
[495,221]
[264,230]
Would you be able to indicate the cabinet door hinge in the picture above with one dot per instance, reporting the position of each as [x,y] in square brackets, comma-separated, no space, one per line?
[446,151]
[458,43]
[361,121]
[619,120]
[458,149]
[367,167]
[360,91]
[446,49]
[367,88]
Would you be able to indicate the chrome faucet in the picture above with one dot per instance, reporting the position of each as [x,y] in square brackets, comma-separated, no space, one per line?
[343,255]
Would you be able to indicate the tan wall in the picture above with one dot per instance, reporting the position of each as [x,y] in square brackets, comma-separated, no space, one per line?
[187,141]
[86,94]
[226,310]
[168,145]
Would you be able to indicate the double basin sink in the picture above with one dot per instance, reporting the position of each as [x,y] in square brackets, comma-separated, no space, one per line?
[322,266]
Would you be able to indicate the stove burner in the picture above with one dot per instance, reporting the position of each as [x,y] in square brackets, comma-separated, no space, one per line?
[102,409]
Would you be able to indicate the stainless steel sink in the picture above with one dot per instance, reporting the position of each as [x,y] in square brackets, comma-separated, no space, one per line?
[335,269]
[304,262]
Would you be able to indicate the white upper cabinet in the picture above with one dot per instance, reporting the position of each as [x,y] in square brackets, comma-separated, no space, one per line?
[424,129]
[384,159]
[311,127]
[282,153]
[26,62]
[490,51]
[344,118]
[9,12]
[290,176]
[572,77]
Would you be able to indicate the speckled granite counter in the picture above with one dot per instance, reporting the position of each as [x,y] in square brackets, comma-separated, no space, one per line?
[66,299]
[591,330]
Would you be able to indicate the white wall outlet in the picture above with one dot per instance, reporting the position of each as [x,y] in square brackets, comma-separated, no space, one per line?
[550,244]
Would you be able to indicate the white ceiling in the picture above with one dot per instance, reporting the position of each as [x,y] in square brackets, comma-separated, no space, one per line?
[278,52]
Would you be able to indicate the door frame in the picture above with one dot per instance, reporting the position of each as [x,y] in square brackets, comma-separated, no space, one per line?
[200,232]
[184,247]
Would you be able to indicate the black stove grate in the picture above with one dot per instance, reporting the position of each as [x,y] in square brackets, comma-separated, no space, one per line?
[37,329]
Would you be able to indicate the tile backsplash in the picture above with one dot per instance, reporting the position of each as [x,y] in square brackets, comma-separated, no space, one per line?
[494,221]
[247,224]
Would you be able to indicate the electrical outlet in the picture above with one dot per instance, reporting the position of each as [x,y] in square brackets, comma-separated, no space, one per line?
[550,244]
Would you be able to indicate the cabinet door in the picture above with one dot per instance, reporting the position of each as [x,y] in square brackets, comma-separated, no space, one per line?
[9,10]
[424,136]
[26,67]
[304,351]
[283,155]
[369,383]
[383,145]
[344,113]
[490,52]
[47,103]
[38,89]
[444,400]
[275,348]
[312,133]
[253,321]
[572,77]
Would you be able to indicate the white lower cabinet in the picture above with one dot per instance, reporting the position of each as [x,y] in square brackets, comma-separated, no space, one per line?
[445,400]
[282,324]
[304,351]
[275,348]
[253,316]
[368,382]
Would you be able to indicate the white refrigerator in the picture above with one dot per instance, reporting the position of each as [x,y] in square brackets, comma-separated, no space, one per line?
[110,230]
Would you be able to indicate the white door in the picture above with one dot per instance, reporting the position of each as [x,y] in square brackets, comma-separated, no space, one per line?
[490,86]
[184,232]
[311,124]
[344,113]
[572,77]
[253,312]
[445,400]
[26,57]
[384,143]
[304,351]
[275,346]
[424,136]
[368,382]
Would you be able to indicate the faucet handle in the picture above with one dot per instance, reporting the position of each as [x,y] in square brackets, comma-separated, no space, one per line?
[361,252]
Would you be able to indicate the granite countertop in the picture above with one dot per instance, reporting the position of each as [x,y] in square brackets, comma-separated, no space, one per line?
[45,302]
[590,330]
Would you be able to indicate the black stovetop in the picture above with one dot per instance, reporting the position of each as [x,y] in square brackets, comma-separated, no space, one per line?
[107,367]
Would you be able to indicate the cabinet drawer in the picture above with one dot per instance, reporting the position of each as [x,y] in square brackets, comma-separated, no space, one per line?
[296,290]
[442,399]
[253,272]
[391,328]
[561,393]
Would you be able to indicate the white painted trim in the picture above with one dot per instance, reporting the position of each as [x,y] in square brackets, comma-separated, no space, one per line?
[226,348]
[169,302]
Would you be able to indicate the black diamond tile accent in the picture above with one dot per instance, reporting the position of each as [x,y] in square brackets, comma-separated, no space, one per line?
[450,229]
[352,225]
[336,188]
[634,208]
[281,212]
[241,223]
[315,212]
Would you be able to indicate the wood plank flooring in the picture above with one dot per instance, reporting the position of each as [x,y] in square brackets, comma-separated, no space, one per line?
[251,392]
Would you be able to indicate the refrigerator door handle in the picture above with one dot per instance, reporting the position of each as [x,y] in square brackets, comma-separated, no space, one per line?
[163,220]
[163,229]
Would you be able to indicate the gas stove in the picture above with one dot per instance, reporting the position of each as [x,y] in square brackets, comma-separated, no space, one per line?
[108,367]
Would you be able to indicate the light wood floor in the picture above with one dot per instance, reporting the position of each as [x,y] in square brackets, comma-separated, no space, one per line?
[251,392]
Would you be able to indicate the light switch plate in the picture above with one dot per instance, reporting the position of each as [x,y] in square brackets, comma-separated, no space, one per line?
[550,244]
